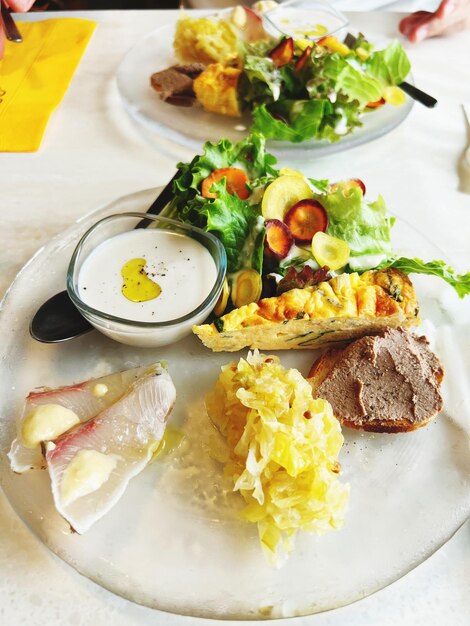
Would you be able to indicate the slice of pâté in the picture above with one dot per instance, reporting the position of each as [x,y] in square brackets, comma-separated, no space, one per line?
[344,308]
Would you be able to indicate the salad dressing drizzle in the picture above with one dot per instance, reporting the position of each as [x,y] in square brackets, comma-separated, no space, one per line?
[137,286]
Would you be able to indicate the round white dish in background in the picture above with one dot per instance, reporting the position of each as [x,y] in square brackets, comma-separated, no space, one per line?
[191,127]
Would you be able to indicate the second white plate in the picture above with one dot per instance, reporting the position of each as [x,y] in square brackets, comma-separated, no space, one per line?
[191,127]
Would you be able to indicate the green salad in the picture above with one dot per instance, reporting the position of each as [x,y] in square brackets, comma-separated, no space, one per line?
[281,229]
[295,89]
[301,90]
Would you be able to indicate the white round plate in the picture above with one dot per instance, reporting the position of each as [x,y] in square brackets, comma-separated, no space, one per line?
[174,541]
[191,127]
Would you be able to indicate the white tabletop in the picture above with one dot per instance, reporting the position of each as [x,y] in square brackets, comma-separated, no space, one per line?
[92,153]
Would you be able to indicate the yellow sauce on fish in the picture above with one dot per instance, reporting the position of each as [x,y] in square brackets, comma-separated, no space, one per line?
[86,473]
[99,390]
[46,422]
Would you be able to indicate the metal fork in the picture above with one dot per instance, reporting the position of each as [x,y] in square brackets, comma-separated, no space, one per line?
[11,31]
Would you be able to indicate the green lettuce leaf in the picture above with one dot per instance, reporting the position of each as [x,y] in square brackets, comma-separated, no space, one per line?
[365,226]
[460,282]
[390,66]
[304,117]
[262,80]
[254,247]
[346,114]
[249,154]
[352,82]
[234,221]
[320,184]
[260,48]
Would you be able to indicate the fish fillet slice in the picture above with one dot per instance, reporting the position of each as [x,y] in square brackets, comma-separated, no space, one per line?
[78,398]
[128,432]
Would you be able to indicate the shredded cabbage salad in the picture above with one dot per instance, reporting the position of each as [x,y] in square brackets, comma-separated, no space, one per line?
[283,449]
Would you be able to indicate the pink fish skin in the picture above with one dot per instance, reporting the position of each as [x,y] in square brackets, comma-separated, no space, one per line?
[80,399]
[45,394]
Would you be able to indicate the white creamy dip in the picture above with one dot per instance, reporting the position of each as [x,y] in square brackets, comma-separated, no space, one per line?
[182,267]
[309,22]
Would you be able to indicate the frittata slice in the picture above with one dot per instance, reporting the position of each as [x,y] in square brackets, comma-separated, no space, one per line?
[346,307]
[216,89]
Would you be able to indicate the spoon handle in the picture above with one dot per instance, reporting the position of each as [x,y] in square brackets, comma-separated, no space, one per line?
[160,202]
[418,95]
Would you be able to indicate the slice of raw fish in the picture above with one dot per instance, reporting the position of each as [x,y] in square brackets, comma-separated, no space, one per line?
[91,465]
[85,399]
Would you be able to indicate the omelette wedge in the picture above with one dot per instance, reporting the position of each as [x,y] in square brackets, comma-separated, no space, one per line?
[330,313]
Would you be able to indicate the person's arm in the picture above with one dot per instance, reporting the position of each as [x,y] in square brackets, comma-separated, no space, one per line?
[450,16]
[18,6]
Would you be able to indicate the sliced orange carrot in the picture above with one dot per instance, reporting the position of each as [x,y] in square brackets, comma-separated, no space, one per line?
[302,60]
[236,181]
[306,218]
[376,104]
[283,53]
[278,239]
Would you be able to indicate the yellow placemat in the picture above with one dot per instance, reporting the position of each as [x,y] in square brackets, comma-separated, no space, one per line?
[34,76]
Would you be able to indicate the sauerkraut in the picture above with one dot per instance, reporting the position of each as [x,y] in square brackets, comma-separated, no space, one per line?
[283,451]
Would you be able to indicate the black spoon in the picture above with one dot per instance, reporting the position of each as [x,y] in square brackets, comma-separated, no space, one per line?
[58,319]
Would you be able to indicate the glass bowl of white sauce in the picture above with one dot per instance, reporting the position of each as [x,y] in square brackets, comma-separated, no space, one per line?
[145,280]
[305,19]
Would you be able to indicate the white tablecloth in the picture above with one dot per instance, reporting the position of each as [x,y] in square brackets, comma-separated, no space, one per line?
[92,153]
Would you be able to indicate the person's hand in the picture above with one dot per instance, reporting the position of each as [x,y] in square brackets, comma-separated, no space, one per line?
[451,16]
[18,6]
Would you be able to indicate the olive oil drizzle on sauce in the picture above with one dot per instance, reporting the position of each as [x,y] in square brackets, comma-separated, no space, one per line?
[137,286]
